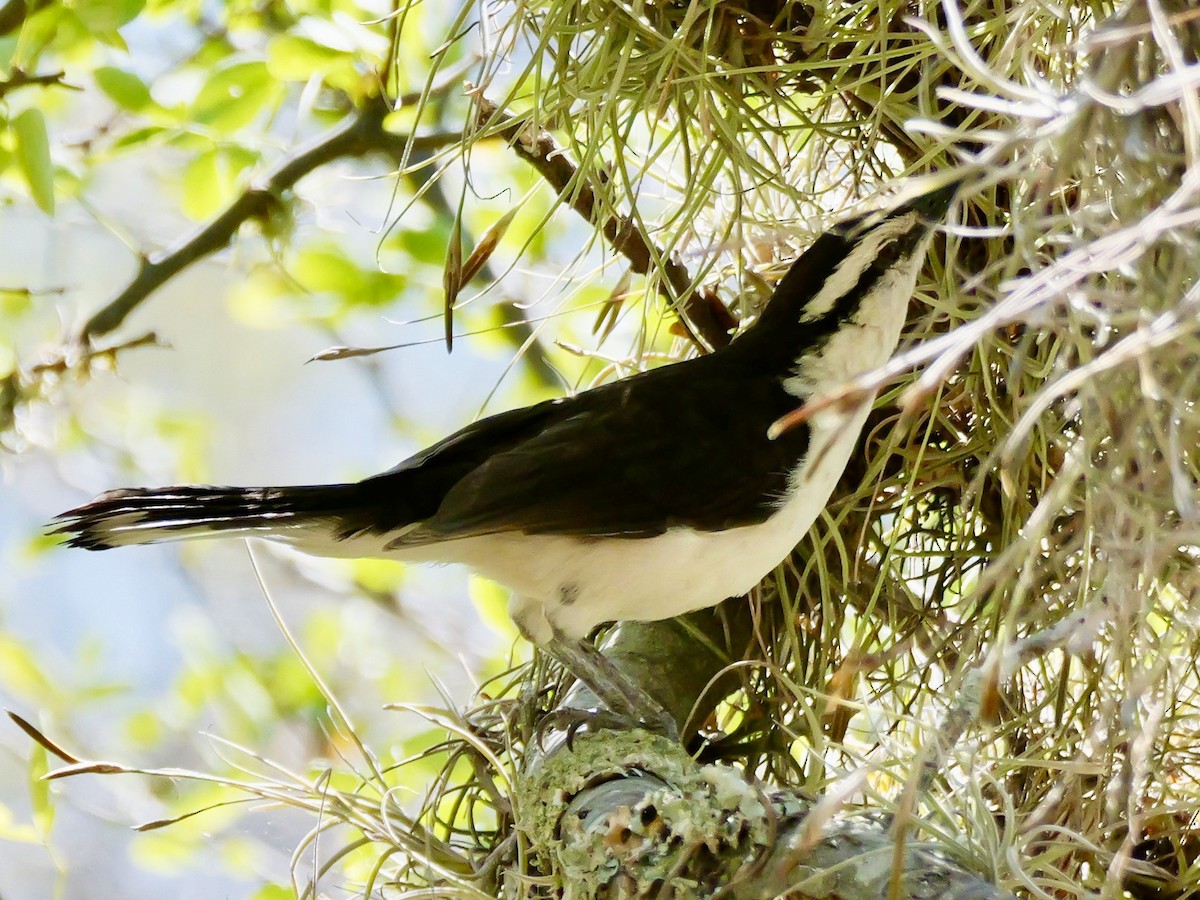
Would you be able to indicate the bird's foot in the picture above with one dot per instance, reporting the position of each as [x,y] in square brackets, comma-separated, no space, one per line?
[569,721]
[624,701]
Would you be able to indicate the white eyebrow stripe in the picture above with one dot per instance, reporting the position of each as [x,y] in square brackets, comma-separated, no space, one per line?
[850,269]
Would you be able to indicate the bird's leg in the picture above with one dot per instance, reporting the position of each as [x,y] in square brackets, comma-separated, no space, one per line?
[612,687]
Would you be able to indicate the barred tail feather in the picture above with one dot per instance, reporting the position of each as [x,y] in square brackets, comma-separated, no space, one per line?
[148,515]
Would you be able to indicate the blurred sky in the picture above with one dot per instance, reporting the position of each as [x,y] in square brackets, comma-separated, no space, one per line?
[124,626]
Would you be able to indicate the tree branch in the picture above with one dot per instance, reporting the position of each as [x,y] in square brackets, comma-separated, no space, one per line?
[362,134]
[19,78]
[708,322]
[358,135]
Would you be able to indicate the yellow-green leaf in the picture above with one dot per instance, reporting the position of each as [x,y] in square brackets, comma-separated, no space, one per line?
[51,23]
[137,136]
[39,791]
[165,852]
[491,601]
[144,728]
[274,892]
[425,244]
[234,95]
[11,831]
[294,58]
[326,268]
[123,88]
[20,671]
[202,185]
[33,157]
[213,178]
[380,576]
[102,16]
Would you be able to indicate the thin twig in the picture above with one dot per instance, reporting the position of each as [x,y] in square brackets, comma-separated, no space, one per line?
[709,323]
[358,135]
[19,78]
[981,685]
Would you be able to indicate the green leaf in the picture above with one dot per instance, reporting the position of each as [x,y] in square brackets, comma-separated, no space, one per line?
[293,58]
[274,892]
[380,288]
[33,157]
[11,831]
[291,687]
[37,32]
[137,136]
[123,88]
[427,245]
[327,269]
[20,672]
[211,179]
[39,791]
[102,16]
[235,95]
[201,185]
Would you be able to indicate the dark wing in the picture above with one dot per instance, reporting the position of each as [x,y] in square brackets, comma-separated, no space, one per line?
[632,459]
[411,492]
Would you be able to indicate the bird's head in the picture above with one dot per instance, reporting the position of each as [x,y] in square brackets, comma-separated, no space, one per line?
[879,250]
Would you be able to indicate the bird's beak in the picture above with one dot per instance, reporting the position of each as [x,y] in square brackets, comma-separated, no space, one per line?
[934,204]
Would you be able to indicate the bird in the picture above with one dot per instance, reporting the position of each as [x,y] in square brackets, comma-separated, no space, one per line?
[640,499]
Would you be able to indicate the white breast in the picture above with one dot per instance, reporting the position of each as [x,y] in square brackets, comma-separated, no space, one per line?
[575,584]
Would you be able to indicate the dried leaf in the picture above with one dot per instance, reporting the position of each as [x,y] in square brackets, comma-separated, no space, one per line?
[45,742]
[989,705]
[452,280]
[350,352]
[606,321]
[486,247]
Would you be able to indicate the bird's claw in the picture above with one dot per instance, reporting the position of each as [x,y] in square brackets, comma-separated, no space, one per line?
[571,720]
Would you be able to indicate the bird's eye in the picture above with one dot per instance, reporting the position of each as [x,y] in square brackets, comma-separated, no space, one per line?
[887,253]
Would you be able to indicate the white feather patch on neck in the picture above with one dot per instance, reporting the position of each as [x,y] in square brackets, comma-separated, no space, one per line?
[867,339]
[850,269]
